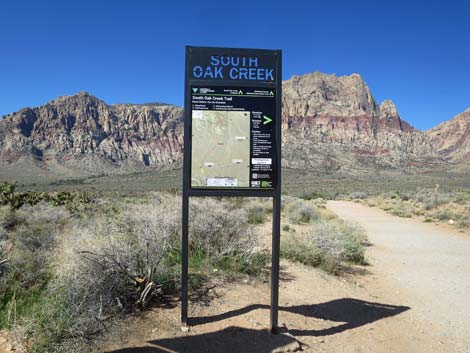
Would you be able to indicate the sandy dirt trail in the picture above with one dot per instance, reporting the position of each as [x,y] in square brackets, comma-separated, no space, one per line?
[414,299]
[425,265]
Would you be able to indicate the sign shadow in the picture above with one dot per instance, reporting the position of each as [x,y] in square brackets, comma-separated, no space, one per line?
[349,312]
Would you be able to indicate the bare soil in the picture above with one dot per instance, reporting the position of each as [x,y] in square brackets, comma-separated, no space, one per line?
[413,298]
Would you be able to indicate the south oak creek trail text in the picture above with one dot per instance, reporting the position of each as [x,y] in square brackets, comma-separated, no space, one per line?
[233,68]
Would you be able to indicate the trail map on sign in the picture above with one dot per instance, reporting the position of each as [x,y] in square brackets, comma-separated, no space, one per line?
[220,148]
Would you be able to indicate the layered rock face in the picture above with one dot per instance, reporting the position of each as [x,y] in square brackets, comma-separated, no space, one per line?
[329,123]
[83,131]
[452,138]
[330,120]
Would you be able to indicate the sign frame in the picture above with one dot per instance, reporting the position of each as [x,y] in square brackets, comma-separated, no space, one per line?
[274,192]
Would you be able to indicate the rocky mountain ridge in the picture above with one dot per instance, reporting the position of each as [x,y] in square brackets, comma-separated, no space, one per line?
[329,122]
[83,131]
[335,122]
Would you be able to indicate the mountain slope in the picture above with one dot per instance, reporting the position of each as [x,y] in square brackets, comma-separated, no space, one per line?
[452,138]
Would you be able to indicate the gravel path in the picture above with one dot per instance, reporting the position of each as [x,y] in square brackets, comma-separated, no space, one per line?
[425,265]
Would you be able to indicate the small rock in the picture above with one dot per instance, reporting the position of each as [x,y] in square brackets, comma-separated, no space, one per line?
[451,221]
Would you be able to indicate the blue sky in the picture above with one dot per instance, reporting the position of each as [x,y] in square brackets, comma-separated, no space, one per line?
[415,53]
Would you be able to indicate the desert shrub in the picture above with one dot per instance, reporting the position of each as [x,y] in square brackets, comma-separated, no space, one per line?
[326,214]
[405,196]
[311,195]
[445,215]
[301,212]
[296,248]
[256,215]
[102,268]
[286,200]
[330,244]
[339,239]
[428,205]
[31,240]
[286,228]
[462,199]
[358,195]
[319,202]
[464,221]
[402,212]
[15,200]
[253,264]
[257,211]
[8,196]
[390,195]
[218,229]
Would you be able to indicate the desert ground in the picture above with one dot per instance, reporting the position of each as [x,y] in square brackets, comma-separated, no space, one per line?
[411,297]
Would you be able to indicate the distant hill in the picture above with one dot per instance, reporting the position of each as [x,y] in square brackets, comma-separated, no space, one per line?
[330,124]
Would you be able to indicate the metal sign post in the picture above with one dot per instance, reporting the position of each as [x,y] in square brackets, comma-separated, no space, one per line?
[232,138]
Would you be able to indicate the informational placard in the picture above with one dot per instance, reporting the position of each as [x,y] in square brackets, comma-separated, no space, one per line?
[232,116]
[233,137]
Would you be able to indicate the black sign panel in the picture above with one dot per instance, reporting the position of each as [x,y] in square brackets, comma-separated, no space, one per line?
[232,119]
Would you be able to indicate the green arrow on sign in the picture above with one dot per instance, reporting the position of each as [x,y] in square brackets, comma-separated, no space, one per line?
[267,119]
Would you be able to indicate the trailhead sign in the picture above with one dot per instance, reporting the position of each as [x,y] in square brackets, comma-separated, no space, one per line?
[232,139]
[233,117]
